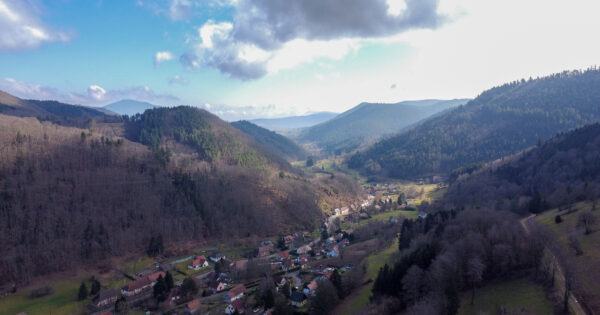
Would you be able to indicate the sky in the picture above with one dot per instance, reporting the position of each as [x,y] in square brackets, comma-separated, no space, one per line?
[244,59]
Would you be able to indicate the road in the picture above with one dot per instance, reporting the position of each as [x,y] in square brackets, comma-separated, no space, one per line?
[574,304]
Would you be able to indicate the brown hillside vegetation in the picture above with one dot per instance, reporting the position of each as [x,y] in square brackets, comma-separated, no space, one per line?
[70,197]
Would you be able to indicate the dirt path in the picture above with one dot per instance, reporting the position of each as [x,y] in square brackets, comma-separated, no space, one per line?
[574,304]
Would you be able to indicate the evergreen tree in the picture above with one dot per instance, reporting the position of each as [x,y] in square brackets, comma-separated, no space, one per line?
[160,289]
[83,293]
[169,281]
[121,306]
[401,199]
[281,241]
[95,287]
[336,280]
[188,287]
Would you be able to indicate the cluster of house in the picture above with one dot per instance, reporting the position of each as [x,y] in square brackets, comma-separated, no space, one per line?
[235,299]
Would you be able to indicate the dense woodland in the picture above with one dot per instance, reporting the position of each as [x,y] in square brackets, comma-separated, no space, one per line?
[556,173]
[499,122]
[277,143]
[368,122]
[71,197]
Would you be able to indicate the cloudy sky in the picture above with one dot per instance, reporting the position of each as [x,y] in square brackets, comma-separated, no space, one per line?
[266,58]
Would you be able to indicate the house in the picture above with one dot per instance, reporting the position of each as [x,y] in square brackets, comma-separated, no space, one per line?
[311,288]
[279,281]
[154,277]
[105,298]
[363,215]
[303,249]
[289,239]
[334,252]
[173,297]
[302,258]
[198,263]
[193,306]
[298,299]
[236,293]
[217,257]
[283,255]
[136,287]
[216,286]
[237,305]
[345,211]
[265,250]
[337,211]
[287,264]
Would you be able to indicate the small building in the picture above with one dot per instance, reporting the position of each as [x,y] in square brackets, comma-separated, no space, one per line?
[154,277]
[198,263]
[235,306]
[216,286]
[302,258]
[303,249]
[311,288]
[193,306]
[298,299]
[283,255]
[105,298]
[217,257]
[236,293]
[334,252]
[136,287]
[265,250]
[345,211]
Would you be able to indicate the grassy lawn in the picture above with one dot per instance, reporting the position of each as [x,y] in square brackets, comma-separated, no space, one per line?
[515,295]
[356,302]
[131,266]
[62,301]
[586,265]
[386,215]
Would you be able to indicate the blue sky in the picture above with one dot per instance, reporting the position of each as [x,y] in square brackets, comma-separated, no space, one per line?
[265,58]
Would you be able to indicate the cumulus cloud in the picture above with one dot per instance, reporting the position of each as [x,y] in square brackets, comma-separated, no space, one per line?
[161,57]
[21,27]
[262,29]
[95,95]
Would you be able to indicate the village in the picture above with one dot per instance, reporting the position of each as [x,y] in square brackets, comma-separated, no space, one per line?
[209,282]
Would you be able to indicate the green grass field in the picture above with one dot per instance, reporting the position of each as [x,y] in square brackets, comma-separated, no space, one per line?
[62,301]
[517,296]
[358,301]
[586,265]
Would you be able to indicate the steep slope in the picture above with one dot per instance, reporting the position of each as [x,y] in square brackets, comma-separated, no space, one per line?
[499,122]
[293,122]
[71,197]
[277,143]
[57,112]
[555,173]
[368,122]
[129,107]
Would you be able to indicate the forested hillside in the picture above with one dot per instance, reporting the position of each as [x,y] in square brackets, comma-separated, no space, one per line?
[293,122]
[499,122]
[557,173]
[73,197]
[277,143]
[369,121]
[56,112]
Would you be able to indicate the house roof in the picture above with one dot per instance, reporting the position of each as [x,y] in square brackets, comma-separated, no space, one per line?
[237,290]
[199,260]
[266,248]
[284,255]
[137,284]
[153,277]
[297,296]
[241,264]
[194,304]
[312,285]
[238,304]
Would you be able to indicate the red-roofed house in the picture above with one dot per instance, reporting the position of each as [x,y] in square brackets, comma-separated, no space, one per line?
[193,306]
[136,287]
[236,293]
[154,277]
[198,263]
[283,255]
[303,249]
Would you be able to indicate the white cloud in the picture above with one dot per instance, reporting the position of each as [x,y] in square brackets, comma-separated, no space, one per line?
[162,56]
[178,80]
[96,92]
[21,27]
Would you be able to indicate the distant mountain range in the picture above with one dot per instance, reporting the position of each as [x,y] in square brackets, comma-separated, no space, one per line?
[293,122]
[277,143]
[501,121]
[129,107]
[370,121]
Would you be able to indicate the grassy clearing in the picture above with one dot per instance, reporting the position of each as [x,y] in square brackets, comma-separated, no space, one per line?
[358,301]
[516,296]
[586,265]
[131,266]
[62,301]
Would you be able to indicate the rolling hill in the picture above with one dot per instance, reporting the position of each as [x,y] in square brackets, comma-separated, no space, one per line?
[129,107]
[57,112]
[499,122]
[277,143]
[369,121]
[293,122]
